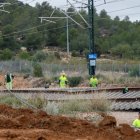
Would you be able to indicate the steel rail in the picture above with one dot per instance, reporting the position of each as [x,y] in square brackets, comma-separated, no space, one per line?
[69,90]
[130,100]
[125,99]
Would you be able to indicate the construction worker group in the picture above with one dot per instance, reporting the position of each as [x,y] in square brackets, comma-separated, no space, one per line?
[63,81]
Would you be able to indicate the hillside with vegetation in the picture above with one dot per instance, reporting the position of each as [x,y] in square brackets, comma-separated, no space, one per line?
[23,28]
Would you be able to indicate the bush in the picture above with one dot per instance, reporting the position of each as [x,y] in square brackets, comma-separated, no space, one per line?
[39,56]
[24,55]
[135,71]
[101,104]
[86,51]
[74,54]
[52,108]
[37,102]
[37,70]
[74,81]
[76,105]
[73,106]
[55,69]
[10,100]
[57,55]
[6,54]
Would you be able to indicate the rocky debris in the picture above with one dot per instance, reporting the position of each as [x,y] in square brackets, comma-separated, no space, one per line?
[96,118]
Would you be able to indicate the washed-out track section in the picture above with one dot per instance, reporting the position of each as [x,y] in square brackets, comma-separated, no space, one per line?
[120,101]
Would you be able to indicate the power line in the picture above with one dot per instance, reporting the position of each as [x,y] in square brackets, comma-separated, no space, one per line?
[56,20]
[29,29]
[22,31]
[131,14]
[113,1]
[11,35]
[79,14]
[124,9]
[80,2]
[66,17]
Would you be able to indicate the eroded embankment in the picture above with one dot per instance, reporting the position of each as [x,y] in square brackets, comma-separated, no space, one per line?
[21,124]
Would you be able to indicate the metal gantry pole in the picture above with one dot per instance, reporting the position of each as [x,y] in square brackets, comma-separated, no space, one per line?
[91,56]
[67,17]
[91,23]
[68,51]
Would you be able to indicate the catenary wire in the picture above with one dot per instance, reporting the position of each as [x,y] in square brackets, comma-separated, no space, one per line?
[22,31]
[48,23]
[10,35]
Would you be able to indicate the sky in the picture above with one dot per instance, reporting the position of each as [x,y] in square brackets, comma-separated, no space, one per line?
[113,8]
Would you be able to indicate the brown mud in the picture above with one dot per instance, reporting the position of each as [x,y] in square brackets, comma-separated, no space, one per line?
[25,124]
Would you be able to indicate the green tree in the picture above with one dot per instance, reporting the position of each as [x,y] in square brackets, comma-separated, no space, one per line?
[104,20]
[122,50]
[136,50]
[1,40]
[6,54]
[8,38]
[80,42]
[34,41]
[37,71]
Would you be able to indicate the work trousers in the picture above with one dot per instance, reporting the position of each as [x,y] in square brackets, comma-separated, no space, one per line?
[9,85]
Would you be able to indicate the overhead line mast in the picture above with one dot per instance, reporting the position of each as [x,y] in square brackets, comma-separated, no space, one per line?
[91,27]
[91,55]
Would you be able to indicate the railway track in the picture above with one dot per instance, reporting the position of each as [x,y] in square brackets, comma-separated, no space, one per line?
[120,101]
[69,90]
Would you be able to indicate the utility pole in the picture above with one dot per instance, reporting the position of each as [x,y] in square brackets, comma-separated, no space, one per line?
[91,23]
[67,17]
[68,46]
[91,56]
[67,25]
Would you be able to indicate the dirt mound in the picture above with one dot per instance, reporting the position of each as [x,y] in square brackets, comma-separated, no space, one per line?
[127,130]
[21,124]
[108,121]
